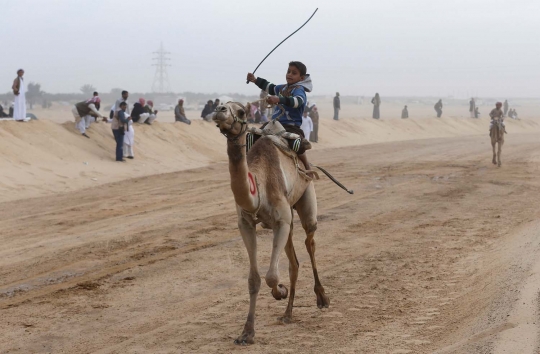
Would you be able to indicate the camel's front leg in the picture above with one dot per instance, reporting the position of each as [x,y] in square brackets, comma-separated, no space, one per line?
[282,227]
[249,236]
[293,275]
[494,153]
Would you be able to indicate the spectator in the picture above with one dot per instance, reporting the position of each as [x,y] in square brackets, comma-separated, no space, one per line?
[208,111]
[314,114]
[472,107]
[505,107]
[19,90]
[405,113]
[476,112]
[438,108]
[2,113]
[255,112]
[216,103]
[249,116]
[88,119]
[129,139]
[152,113]
[116,107]
[118,124]
[307,125]
[337,106]
[85,109]
[138,114]
[180,114]
[376,106]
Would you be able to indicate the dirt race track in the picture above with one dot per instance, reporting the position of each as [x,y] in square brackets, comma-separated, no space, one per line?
[436,252]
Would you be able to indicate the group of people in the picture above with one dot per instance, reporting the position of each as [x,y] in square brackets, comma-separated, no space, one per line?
[120,117]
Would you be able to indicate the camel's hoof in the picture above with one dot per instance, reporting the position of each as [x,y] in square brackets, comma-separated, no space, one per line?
[282,292]
[494,162]
[285,320]
[245,339]
[322,300]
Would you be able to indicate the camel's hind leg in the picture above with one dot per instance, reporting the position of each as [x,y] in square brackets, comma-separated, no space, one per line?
[293,275]
[499,152]
[254,280]
[307,211]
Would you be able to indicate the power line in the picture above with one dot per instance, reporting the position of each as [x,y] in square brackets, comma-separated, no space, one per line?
[161,82]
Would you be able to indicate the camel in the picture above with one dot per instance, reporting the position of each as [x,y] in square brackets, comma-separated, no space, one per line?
[497,136]
[266,185]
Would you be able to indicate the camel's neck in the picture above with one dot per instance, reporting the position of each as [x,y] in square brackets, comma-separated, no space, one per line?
[242,182]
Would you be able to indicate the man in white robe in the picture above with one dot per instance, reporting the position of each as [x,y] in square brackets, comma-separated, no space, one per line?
[19,90]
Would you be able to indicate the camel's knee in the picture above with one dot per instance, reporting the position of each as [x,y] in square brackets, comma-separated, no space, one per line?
[254,283]
[310,226]
[272,279]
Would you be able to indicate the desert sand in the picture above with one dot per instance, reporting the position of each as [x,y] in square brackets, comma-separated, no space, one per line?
[436,252]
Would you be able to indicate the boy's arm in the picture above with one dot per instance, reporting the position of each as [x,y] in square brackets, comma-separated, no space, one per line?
[266,86]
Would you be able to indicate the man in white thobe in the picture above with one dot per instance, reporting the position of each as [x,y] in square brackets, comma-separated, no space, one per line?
[19,90]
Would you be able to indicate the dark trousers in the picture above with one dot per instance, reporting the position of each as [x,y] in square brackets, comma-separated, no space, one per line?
[119,137]
[439,113]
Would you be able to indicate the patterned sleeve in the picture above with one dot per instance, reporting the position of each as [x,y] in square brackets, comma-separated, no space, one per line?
[264,85]
[297,99]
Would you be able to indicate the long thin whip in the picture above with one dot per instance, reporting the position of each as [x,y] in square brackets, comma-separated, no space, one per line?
[350,191]
[247,82]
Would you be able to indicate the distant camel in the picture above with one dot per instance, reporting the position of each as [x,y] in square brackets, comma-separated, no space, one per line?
[497,136]
[267,183]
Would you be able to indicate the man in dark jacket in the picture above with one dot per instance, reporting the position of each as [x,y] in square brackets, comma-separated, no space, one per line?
[337,106]
[208,110]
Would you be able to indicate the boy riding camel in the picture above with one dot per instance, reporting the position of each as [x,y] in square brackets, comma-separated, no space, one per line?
[290,100]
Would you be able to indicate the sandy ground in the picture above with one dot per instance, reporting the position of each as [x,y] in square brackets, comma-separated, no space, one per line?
[436,252]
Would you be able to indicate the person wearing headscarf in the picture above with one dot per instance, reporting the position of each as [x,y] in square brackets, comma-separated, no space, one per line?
[376,104]
[505,107]
[89,119]
[438,108]
[138,114]
[208,111]
[497,112]
[180,113]
[337,106]
[472,107]
[314,114]
[405,113]
[152,113]
[83,109]
[19,90]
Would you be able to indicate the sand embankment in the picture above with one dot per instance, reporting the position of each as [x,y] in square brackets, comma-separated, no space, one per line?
[43,157]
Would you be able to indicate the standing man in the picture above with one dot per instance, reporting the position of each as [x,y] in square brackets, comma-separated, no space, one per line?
[376,106]
[337,106]
[438,108]
[314,113]
[505,107]
[405,113]
[124,98]
[19,90]
[472,107]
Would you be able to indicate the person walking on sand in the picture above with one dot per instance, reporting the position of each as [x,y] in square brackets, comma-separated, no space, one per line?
[376,104]
[19,90]
[438,108]
[505,107]
[472,107]
[337,106]
[405,113]
[180,113]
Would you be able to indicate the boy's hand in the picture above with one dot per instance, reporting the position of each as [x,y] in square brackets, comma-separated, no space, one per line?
[272,99]
[251,77]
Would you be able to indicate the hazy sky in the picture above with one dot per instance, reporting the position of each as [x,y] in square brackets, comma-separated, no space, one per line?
[394,47]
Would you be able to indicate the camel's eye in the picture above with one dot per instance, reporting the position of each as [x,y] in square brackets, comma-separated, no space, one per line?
[241,113]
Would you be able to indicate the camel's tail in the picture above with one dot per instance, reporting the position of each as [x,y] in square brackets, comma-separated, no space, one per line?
[350,191]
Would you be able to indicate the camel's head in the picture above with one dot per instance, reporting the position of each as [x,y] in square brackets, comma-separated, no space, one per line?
[230,118]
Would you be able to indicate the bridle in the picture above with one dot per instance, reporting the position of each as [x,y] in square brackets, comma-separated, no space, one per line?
[236,119]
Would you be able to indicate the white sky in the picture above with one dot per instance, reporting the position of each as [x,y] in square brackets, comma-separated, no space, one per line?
[394,47]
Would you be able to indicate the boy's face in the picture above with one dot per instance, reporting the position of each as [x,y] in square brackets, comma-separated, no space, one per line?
[123,107]
[293,75]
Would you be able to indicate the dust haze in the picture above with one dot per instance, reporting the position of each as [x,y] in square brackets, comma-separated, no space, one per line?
[414,48]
